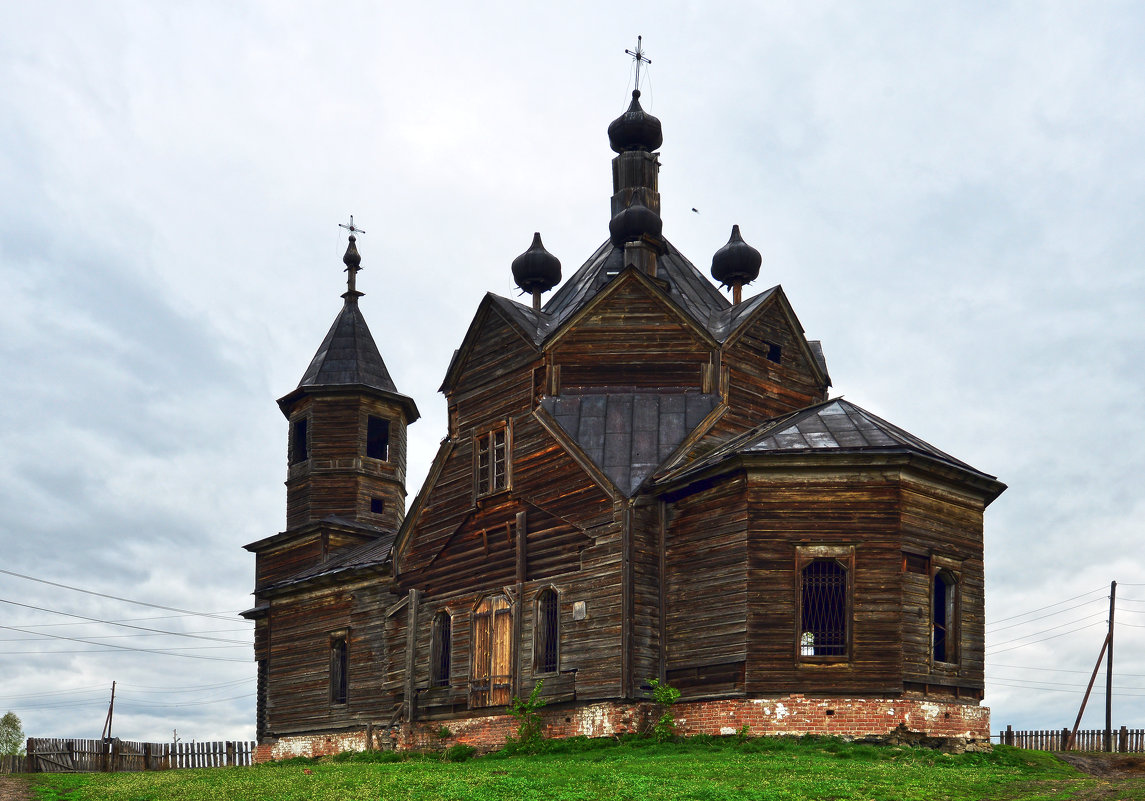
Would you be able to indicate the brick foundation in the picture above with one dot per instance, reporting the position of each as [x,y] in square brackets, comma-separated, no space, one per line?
[782,715]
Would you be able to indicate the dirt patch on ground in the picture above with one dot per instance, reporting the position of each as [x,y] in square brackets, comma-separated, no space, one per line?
[1108,766]
[12,789]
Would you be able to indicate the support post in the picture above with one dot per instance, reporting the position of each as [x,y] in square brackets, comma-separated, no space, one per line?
[1088,690]
[411,644]
[518,619]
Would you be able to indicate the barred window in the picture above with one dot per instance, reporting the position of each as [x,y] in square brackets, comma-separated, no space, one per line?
[823,609]
[942,611]
[492,462]
[441,652]
[547,632]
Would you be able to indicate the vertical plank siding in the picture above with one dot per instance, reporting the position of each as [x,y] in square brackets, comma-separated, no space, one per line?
[55,755]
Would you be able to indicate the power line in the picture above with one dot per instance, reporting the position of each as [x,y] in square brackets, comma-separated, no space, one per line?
[124,625]
[1051,614]
[122,647]
[1051,628]
[1051,637]
[1061,670]
[114,597]
[1050,606]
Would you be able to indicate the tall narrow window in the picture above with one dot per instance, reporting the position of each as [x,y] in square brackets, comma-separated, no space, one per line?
[298,449]
[339,669]
[492,462]
[492,675]
[823,609]
[547,634]
[942,612]
[377,438]
[440,652]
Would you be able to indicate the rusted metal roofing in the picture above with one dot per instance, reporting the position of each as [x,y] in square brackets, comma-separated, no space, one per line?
[628,435]
[835,426]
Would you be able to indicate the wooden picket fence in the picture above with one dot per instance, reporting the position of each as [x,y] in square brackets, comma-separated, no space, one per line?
[55,755]
[1125,740]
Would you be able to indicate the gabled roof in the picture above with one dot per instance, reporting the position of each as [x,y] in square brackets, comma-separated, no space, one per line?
[348,357]
[834,426]
[628,435]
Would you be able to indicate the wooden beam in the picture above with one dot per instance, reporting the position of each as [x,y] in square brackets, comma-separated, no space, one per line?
[411,645]
[518,619]
[626,603]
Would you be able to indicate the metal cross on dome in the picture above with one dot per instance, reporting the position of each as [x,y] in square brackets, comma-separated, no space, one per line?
[353,230]
[637,56]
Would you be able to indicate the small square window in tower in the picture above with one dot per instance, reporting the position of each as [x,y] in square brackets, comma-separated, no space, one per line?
[823,609]
[377,438]
[492,457]
[298,445]
[339,669]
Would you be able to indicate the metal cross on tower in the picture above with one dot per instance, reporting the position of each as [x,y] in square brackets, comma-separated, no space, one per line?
[351,227]
[637,56]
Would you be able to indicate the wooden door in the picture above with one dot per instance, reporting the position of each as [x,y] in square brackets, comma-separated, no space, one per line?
[492,679]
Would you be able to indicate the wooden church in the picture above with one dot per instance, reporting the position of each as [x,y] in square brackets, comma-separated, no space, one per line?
[641,478]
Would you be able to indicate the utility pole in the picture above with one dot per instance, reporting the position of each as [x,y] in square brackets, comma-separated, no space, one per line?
[1109,672]
[110,710]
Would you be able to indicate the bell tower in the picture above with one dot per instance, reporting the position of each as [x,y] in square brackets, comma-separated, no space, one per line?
[347,441]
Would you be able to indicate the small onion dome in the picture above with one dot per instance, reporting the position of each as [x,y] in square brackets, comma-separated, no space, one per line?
[635,129]
[737,262]
[633,223]
[537,270]
[352,259]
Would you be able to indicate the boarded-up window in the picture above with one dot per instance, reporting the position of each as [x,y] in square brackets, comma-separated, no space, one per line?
[492,674]
[547,634]
[377,438]
[823,609]
[441,653]
[943,609]
[298,444]
[492,466]
[339,669]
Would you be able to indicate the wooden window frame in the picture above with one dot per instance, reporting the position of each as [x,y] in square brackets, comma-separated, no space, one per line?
[339,668]
[539,669]
[368,440]
[951,627]
[844,557]
[487,480]
[441,650]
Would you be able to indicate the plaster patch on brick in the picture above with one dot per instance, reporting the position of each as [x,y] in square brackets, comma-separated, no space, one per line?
[781,712]
[727,730]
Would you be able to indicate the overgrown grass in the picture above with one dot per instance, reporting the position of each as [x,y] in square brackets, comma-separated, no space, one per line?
[632,768]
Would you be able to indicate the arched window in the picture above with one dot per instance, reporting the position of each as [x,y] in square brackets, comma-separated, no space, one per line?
[441,652]
[823,609]
[944,636]
[546,629]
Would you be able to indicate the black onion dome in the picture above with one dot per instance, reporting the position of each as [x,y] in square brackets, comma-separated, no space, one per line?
[537,270]
[736,262]
[634,222]
[352,259]
[635,129]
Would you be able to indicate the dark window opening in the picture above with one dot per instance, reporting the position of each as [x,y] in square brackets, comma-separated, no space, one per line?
[377,505]
[774,352]
[823,610]
[339,670]
[298,450]
[913,563]
[441,653]
[377,438]
[942,623]
[492,462]
[547,632]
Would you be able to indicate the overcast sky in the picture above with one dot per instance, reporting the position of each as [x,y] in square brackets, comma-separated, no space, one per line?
[952,196]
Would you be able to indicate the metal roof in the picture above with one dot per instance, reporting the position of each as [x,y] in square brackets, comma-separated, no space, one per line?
[834,426]
[629,434]
[348,355]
